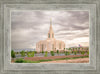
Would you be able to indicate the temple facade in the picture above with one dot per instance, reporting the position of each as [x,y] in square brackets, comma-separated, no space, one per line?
[50,44]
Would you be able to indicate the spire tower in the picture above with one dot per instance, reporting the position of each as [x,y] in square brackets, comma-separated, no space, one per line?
[50,33]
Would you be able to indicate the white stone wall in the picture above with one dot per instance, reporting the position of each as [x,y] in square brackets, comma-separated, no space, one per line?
[50,45]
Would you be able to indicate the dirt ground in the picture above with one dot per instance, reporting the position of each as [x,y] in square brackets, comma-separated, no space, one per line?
[80,60]
[51,57]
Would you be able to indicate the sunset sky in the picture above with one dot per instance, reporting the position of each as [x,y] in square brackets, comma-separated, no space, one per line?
[29,27]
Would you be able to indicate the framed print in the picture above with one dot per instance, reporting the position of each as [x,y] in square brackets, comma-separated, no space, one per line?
[56,37]
[68,49]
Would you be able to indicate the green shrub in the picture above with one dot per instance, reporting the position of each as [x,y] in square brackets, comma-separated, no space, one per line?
[83,52]
[35,52]
[52,53]
[57,51]
[20,60]
[30,54]
[75,52]
[42,52]
[16,52]
[46,54]
[69,49]
[66,53]
[88,52]
[72,51]
[22,53]
[12,54]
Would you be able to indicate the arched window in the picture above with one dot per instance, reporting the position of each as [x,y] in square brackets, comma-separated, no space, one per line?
[49,35]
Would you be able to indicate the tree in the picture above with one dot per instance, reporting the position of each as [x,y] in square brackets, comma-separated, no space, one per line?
[52,53]
[35,52]
[57,51]
[69,48]
[46,54]
[83,52]
[30,54]
[88,52]
[75,52]
[42,51]
[22,53]
[78,51]
[66,53]
[12,54]
[20,60]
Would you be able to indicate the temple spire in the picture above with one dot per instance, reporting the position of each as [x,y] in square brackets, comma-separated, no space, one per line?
[50,33]
[50,24]
[50,21]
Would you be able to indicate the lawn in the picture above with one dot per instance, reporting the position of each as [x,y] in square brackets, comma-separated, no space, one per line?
[20,60]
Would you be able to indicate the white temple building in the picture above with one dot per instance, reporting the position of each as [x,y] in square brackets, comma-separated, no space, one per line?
[50,44]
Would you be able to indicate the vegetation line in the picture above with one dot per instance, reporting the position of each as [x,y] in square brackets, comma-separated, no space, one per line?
[28,61]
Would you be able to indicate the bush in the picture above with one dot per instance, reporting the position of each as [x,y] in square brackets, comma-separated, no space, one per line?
[78,51]
[57,51]
[69,49]
[30,54]
[20,60]
[22,53]
[72,51]
[88,52]
[42,52]
[75,52]
[35,52]
[52,53]
[46,54]
[67,53]
[16,52]
[83,52]
[12,54]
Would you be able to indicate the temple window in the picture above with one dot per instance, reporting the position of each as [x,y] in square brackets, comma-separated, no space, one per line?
[49,35]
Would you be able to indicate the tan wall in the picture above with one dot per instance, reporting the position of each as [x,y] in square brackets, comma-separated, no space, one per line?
[50,45]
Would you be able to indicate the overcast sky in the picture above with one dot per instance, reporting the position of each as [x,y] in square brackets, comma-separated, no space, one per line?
[29,27]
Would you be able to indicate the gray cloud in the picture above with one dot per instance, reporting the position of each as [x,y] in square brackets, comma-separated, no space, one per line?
[28,27]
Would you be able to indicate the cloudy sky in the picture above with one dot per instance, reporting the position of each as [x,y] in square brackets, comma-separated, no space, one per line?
[29,27]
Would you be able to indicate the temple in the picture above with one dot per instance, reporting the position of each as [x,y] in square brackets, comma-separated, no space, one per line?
[50,44]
